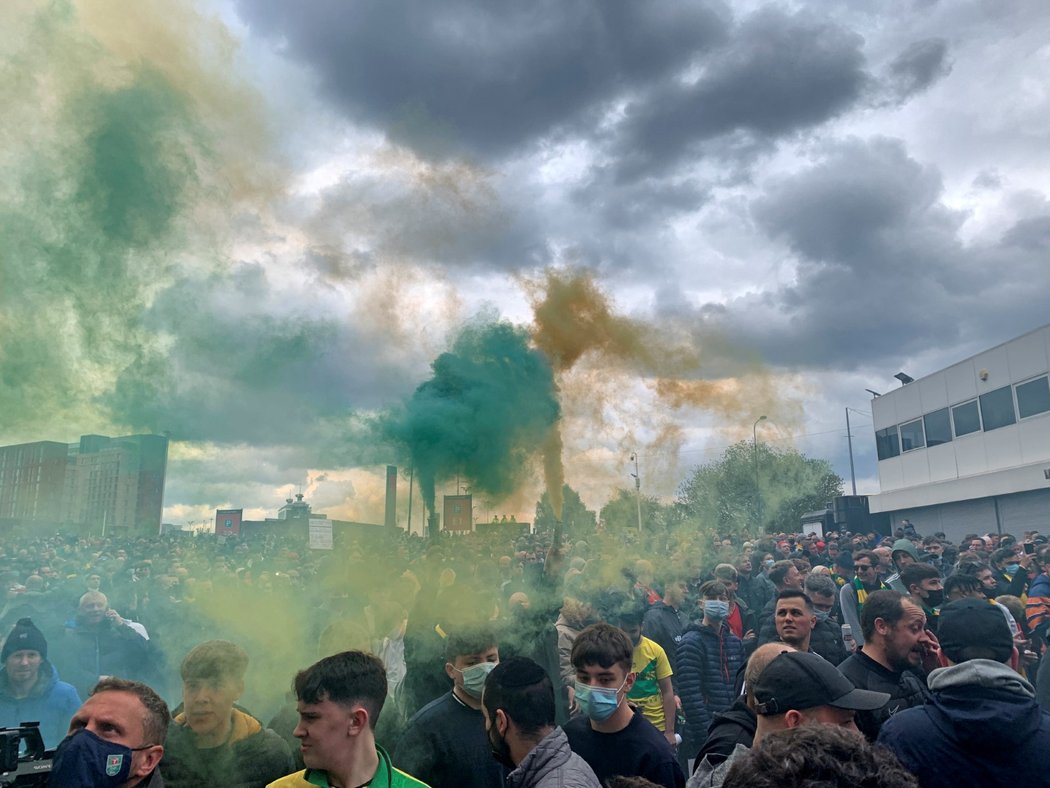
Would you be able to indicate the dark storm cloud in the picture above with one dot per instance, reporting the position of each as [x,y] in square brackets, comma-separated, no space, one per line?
[483,75]
[881,270]
[917,67]
[235,361]
[777,73]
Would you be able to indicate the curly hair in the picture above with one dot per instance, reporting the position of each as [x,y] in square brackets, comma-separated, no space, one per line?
[818,756]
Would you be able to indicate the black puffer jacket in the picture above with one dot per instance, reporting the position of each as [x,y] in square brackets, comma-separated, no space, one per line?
[826,640]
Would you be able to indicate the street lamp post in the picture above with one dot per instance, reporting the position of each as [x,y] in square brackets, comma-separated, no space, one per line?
[637,490]
[754,451]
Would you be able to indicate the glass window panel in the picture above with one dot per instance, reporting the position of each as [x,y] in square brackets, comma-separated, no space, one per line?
[1033,397]
[887,444]
[967,418]
[997,408]
[938,427]
[912,436]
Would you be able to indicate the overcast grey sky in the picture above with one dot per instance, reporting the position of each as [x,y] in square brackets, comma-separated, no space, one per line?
[837,191]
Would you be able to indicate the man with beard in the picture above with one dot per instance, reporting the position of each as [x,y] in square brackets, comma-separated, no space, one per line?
[983,725]
[518,706]
[898,650]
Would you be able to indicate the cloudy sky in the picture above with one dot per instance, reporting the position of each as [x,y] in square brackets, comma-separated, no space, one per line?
[253,224]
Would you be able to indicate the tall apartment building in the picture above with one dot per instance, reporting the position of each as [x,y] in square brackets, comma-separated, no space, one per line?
[100,483]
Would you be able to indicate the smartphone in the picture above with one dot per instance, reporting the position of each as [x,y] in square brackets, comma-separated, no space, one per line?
[1029,548]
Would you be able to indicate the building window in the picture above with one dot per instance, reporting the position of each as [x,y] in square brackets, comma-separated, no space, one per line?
[1033,397]
[887,443]
[912,436]
[938,427]
[997,408]
[966,418]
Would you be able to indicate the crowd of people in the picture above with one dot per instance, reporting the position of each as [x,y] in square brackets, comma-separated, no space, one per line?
[490,661]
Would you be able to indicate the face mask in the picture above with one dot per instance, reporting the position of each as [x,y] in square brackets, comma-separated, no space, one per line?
[598,703]
[716,609]
[83,760]
[769,563]
[474,678]
[822,615]
[1012,569]
[499,748]
[935,598]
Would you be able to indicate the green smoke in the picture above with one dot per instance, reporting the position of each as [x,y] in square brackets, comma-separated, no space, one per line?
[484,414]
[97,175]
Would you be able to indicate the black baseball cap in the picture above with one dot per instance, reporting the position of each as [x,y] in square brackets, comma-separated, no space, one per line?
[797,680]
[973,623]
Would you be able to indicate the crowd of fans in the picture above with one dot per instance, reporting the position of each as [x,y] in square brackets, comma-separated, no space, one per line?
[484,661]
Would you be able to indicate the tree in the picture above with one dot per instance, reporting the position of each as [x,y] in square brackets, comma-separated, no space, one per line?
[621,513]
[577,519]
[753,489]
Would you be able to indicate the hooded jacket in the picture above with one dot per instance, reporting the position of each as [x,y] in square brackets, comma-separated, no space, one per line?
[552,764]
[983,727]
[252,757]
[708,661]
[50,702]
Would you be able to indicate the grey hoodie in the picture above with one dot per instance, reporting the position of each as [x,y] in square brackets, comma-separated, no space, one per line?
[980,673]
[551,764]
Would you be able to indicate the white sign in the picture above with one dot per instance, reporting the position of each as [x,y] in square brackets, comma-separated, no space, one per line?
[320,534]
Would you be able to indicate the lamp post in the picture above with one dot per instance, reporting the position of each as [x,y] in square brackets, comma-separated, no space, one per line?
[754,453]
[637,489]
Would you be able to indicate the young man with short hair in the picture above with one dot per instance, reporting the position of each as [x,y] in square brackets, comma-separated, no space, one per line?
[795,619]
[213,741]
[709,657]
[925,589]
[652,693]
[609,734]
[518,704]
[445,744]
[115,738]
[340,699]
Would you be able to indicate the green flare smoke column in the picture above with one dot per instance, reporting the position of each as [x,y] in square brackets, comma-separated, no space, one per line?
[484,414]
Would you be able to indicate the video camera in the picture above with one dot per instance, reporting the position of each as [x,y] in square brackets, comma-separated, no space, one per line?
[23,760]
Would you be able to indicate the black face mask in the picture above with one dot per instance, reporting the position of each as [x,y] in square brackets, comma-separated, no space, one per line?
[499,748]
[935,598]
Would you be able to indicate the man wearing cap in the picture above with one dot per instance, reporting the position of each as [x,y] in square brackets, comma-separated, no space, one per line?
[983,725]
[797,689]
[29,685]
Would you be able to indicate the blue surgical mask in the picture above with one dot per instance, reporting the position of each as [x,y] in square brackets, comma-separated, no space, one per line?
[769,563]
[822,615]
[83,760]
[598,703]
[474,678]
[1013,569]
[716,609]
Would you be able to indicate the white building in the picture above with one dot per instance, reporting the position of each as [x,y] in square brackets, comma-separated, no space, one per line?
[967,449]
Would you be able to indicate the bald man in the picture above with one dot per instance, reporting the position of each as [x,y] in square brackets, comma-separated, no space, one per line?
[99,643]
